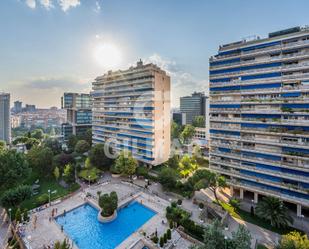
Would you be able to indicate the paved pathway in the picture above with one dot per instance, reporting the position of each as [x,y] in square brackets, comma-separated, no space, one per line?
[4,228]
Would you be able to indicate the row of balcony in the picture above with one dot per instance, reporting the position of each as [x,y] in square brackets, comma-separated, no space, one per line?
[238,165]
[299,163]
[279,47]
[282,57]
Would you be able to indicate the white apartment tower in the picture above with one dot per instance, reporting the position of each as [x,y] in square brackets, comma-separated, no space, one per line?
[131,111]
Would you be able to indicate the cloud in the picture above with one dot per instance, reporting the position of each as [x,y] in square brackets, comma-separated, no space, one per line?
[47,4]
[31,4]
[67,4]
[97,8]
[53,83]
[182,82]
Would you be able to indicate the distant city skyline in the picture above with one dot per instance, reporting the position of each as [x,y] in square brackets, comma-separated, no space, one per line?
[51,47]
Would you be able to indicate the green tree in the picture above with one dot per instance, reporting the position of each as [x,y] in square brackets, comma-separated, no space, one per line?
[72,141]
[31,142]
[213,237]
[212,181]
[187,165]
[53,144]
[168,178]
[56,173]
[241,239]
[14,196]
[294,240]
[175,130]
[273,210]
[18,215]
[68,173]
[82,146]
[125,163]
[187,133]
[108,203]
[173,162]
[38,134]
[2,145]
[41,160]
[98,157]
[62,159]
[14,169]
[88,163]
[199,121]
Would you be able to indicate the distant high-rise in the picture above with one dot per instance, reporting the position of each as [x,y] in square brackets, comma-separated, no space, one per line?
[17,107]
[30,108]
[193,106]
[5,126]
[79,114]
[131,108]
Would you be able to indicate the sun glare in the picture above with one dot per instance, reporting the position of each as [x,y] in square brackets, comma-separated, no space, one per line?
[107,55]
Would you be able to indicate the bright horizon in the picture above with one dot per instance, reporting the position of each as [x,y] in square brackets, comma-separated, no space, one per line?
[50,47]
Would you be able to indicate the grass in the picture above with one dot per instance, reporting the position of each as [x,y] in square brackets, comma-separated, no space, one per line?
[45,185]
[246,216]
[92,172]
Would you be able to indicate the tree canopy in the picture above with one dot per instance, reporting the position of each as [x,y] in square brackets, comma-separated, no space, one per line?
[41,160]
[294,240]
[14,169]
[187,133]
[82,146]
[108,203]
[98,157]
[273,210]
[199,121]
[125,164]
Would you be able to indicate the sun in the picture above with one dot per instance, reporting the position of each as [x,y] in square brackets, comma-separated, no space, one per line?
[107,55]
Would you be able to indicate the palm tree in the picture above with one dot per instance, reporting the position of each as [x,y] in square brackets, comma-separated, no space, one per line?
[272,209]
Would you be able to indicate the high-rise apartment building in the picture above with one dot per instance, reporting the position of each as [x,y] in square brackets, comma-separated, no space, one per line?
[131,109]
[259,107]
[18,107]
[79,114]
[5,122]
[193,106]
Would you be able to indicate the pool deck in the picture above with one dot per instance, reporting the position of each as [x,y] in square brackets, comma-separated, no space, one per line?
[45,231]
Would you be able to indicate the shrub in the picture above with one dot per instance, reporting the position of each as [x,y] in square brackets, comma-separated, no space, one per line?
[161,242]
[169,234]
[165,238]
[155,240]
[108,203]
[42,199]
[201,205]
[179,202]
[142,171]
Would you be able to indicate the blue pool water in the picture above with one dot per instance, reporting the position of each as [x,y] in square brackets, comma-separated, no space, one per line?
[82,226]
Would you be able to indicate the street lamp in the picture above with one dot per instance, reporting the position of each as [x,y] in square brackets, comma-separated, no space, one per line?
[225,239]
[89,181]
[49,196]
[10,214]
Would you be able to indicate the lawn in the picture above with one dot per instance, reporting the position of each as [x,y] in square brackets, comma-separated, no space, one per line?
[91,174]
[246,216]
[45,185]
[259,246]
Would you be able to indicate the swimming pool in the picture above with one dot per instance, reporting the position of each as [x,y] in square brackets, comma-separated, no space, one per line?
[87,232]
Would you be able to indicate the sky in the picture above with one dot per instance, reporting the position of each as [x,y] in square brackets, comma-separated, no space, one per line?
[48,47]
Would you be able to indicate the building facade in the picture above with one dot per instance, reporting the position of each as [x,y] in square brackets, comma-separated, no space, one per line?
[5,119]
[179,118]
[131,111]
[259,116]
[79,114]
[17,107]
[193,106]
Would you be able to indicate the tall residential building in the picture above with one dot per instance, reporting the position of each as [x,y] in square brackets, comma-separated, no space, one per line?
[18,107]
[193,106]
[259,108]
[5,122]
[131,108]
[79,114]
